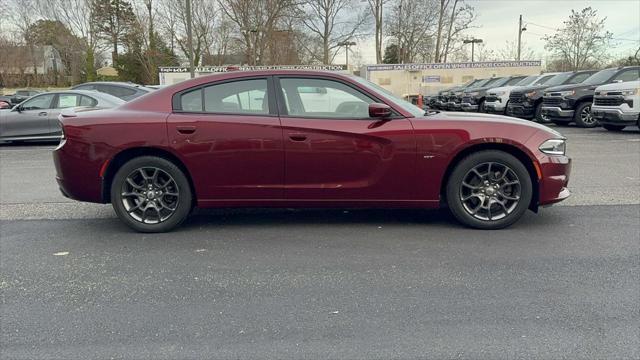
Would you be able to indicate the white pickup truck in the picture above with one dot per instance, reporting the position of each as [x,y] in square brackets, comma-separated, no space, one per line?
[617,105]
[497,98]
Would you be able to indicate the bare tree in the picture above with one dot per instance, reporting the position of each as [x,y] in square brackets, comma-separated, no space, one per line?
[412,23]
[582,42]
[376,7]
[332,21]
[510,51]
[256,20]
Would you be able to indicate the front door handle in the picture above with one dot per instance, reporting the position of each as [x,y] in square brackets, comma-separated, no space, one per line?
[186,130]
[298,137]
[44,113]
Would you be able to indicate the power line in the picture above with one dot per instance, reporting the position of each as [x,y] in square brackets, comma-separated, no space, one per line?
[554,29]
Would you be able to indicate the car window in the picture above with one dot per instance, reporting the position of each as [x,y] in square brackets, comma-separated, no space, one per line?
[600,77]
[118,91]
[38,103]
[237,97]
[628,75]
[87,101]
[67,101]
[324,98]
[191,101]
[579,78]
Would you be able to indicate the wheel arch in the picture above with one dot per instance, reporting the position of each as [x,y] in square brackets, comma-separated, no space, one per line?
[124,156]
[510,149]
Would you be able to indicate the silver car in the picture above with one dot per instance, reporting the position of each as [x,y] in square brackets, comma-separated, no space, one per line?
[37,117]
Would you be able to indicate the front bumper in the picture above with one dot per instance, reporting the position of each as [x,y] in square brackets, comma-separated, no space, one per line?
[521,110]
[469,107]
[614,116]
[557,113]
[553,185]
[494,107]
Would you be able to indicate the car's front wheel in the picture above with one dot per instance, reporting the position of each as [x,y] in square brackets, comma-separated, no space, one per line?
[489,190]
[582,116]
[151,194]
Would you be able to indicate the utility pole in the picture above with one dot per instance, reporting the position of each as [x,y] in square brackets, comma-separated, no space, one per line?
[346,45]
[190,38]
[520,30]
[473,42]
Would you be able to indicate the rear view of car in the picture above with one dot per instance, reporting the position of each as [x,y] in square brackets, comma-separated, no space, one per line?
[617,105]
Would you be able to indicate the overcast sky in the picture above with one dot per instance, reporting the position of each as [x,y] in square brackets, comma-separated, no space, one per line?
[497,22]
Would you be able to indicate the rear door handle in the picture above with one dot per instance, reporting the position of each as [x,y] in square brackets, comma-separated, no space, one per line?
[298,137]
[44,113]
[186,129]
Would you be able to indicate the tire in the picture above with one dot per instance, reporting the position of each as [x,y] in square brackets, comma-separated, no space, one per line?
[463,175]
[582,116]
[613,127]
[538,117]
[481,108]
[165,208]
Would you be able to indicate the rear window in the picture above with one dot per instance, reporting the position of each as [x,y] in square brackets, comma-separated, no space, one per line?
[191,101]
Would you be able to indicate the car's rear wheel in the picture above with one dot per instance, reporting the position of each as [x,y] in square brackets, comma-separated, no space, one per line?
[613,127]
[151,194]
[582,116]
[489,190]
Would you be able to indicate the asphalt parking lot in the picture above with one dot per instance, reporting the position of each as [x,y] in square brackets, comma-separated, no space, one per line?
[75,283]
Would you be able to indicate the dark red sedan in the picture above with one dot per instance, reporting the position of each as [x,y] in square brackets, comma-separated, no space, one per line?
[304,139]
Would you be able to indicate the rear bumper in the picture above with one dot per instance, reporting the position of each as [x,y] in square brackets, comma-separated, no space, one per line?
[77,177]
[614,116]
[557,113]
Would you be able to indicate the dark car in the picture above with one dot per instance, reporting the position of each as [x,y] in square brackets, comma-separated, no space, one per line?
[123,90]
[526,102]
[37,117]
[473,99]
[440,100]
[454,99]
[19,96]
[287,138]
[572,103]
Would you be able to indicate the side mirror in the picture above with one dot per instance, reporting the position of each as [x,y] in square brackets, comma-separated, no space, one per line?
[616,81]
[377,110]
[17,108]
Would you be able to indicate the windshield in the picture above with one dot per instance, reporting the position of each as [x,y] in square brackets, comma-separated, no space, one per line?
[514,81]
[543,80]
[600,77]
[496,82]
[414,110]
[558,79]
[528,80]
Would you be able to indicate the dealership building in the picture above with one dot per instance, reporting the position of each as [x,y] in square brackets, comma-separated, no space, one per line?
[428,79]
[401,79]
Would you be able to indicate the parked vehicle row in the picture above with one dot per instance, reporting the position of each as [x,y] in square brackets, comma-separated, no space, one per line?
[33,115]
[561,98]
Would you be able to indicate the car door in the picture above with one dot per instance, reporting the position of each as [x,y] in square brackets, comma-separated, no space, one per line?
[31,118]
[230,138]
[334,151]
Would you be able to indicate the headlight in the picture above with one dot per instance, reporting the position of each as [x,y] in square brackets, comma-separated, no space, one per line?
[629,92]
[475,93]
[499,93]
[554,147]
[567,93]
[531,94]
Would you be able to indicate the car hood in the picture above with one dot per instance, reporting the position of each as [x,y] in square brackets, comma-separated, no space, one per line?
[484,88]
[501,88]
[576,87]
[620,86]
[489,118]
